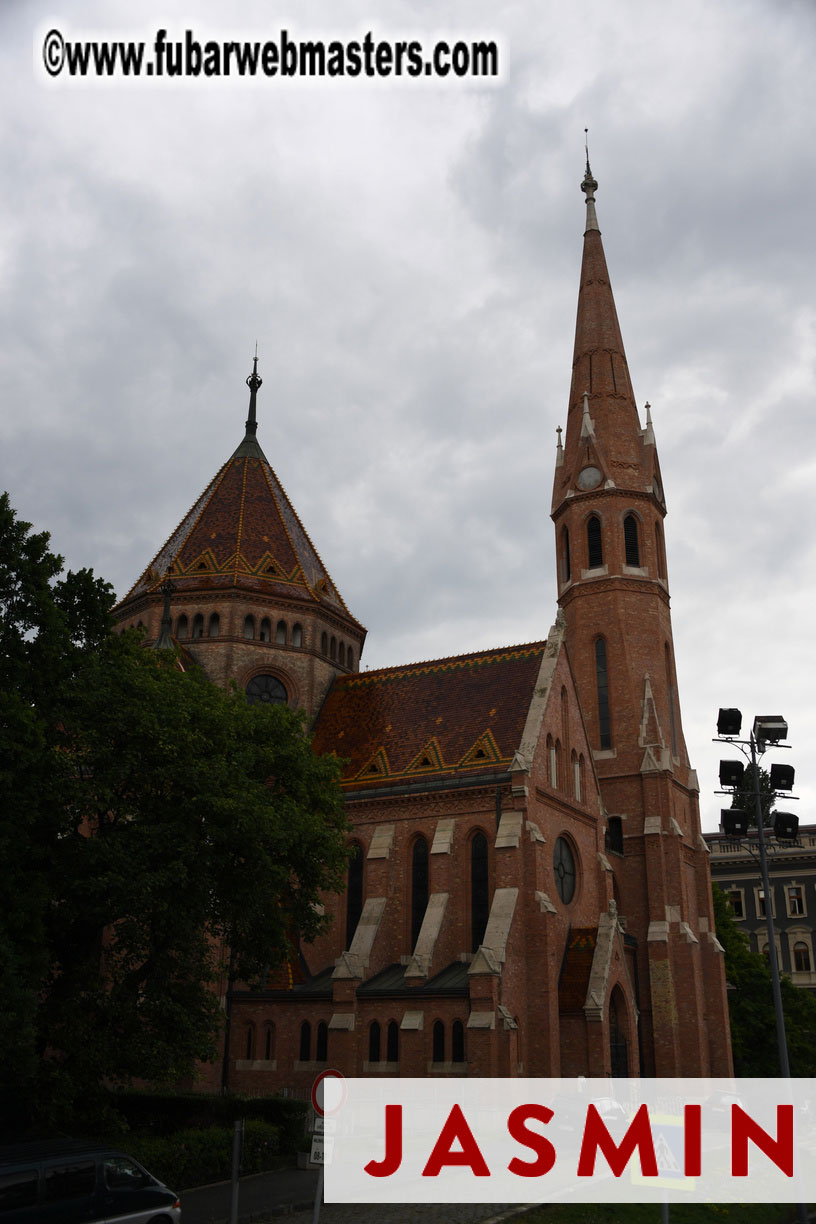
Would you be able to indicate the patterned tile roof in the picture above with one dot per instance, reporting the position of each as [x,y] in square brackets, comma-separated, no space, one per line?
[455,716]
[243,531]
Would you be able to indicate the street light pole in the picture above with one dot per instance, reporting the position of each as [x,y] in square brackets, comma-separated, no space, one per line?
[773,960]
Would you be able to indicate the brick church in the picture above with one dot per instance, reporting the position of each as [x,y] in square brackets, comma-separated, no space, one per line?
[529,892]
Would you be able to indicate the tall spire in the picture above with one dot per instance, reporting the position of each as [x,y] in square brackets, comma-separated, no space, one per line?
[603,429]
[250,446]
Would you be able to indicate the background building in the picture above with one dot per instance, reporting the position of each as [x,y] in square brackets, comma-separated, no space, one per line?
[792,874]
[529,891]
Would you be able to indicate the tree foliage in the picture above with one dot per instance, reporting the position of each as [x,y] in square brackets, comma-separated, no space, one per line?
[751,1007]
[745,796]
[149,820]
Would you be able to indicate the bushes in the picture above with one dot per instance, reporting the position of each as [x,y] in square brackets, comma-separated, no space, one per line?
[197,1157]
[167,1113]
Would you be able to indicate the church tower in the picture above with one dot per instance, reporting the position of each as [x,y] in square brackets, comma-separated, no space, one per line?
[608,508]
[241,587]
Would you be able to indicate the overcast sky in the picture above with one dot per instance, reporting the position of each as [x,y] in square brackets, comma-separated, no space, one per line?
[407,257]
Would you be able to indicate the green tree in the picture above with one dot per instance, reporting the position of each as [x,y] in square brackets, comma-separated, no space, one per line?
[751,1008]
[745,798]
[151,819]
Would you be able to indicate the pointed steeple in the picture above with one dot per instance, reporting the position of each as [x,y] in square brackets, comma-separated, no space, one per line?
[249,447]
[603,429]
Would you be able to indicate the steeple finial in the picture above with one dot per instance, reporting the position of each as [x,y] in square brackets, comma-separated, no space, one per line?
[165,639]
[254,381]
[589,186]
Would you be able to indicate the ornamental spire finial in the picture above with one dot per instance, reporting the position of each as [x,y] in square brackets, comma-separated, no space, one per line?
[589,186]
[254,381]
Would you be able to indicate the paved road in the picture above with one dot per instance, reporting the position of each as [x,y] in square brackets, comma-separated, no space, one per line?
[270,1195]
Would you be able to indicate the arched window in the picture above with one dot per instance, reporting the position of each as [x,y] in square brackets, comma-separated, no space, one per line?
[801,957]
[198,625]
[458,1042]
[280,633]
[602,681]
[182,627]
[266,630]
[479,890]
[324,643]
[576,776]
[354,892]
[266,689]
[249,627]
[594,543]
[552,762]
[557,774]
[419,887]
[341,655]
[392,1042]
[305,1041]
[670,691]
[438,1055]
[269,1042]
[322,1043]
[333,647]
[374,1041]
[349,659]
[661,556]
[297,635]
[566,567]
[631,542]
[214,627]
[249,1047]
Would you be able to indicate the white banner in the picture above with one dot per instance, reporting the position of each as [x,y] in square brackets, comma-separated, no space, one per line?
[584,1140]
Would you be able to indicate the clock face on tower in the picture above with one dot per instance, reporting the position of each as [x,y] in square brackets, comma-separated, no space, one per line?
[589,478]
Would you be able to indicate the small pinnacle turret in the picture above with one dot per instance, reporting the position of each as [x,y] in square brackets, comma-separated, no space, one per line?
[249,446]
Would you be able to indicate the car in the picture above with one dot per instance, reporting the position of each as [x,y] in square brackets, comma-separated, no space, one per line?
[69,1181]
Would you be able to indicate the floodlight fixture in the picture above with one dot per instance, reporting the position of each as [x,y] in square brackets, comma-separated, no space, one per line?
[731,773]
[770,728]
[781,777]
[786,826]
[734,822]
[729,722]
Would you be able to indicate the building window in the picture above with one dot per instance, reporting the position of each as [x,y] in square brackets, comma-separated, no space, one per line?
[795,896]
[602,681]
[182,627]
[479,890]
[280,633]
[458,1042]
[760,902]
[297,635]
[566,568]
[392,1042]
[214,627]
[267,689]
[266,630]
[801,957]
[631,542]
[333,647]
[249,627]
[614,834]
[594,543]
[736,899]
[198,625]
[438,1055]
[552,762]
[349,659]
[322,1043]
[354,892]
[249,1049]
[419,887]
[269,1042]
[324,643]
[374,1041]
[576,776]
[564,869]
[305,1041]
[341,655]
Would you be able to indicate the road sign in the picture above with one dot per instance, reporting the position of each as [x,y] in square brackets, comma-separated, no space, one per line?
[318,1091]
[321,1152]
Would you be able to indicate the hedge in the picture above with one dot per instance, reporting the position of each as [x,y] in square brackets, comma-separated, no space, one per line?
[197,1157]
[164,1114]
